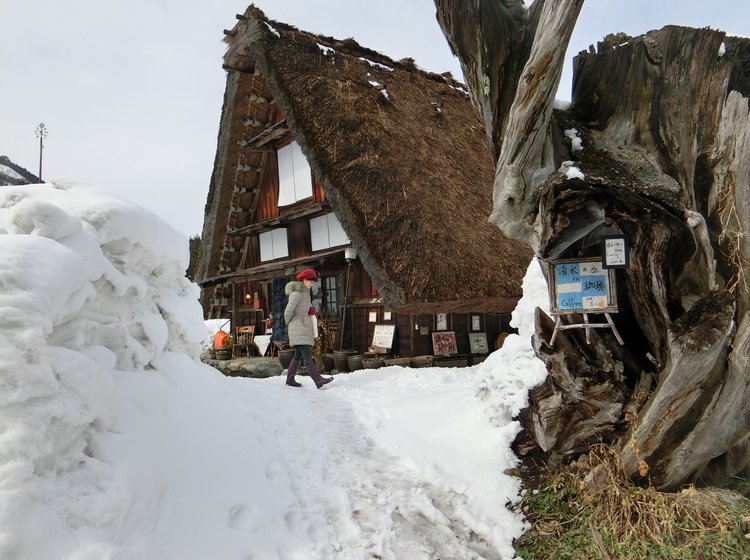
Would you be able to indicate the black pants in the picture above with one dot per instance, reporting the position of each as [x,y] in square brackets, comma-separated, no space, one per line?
[303,354]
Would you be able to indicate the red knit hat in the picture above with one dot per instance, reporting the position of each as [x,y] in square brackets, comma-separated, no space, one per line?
[307,274]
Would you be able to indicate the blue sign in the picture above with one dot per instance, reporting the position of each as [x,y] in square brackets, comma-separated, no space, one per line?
[582,287]
[567,273]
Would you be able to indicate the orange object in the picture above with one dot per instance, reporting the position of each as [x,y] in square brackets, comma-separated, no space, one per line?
[220,340]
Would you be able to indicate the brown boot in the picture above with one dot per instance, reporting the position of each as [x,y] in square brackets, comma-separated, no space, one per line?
[323,381]
[312,371]
[291,372]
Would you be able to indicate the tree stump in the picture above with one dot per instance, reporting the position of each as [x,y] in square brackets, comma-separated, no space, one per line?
[655,146]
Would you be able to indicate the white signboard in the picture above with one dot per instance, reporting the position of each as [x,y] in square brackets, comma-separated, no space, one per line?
[615,251]
[383,336]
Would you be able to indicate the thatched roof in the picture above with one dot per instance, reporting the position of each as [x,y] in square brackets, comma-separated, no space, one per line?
[402,158]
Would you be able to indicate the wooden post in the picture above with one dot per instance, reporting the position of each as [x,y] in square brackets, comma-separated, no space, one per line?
[235,310]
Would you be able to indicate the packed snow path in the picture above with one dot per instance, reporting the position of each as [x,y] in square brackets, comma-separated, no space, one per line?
[393,463]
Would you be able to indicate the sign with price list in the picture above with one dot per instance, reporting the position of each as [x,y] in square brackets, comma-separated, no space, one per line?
[383,336]
[615,251]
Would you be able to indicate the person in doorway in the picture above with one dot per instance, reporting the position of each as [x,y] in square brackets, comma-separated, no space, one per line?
[298,315]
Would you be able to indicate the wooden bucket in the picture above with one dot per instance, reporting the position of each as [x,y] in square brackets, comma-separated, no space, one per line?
[372,363]
[421,361]
[285,357]
[340,359]
[404,362]
[355,362]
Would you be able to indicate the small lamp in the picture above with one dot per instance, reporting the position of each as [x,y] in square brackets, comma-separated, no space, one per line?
[350,254]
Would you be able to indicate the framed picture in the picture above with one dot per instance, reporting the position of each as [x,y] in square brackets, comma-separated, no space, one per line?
[444,343]
[372,317]
[441,322]
[476,324]
[478,343]
[387,316]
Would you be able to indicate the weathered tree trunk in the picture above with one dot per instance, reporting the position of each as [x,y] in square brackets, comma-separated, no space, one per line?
[664,125]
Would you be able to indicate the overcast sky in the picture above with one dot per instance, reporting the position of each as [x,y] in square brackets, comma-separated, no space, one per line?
[131,91]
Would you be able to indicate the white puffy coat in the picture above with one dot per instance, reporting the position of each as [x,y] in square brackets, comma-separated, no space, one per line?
[297,314]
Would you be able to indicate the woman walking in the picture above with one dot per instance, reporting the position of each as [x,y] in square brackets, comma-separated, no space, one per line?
[299,319]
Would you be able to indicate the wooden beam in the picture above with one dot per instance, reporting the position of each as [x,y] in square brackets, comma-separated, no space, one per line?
[273,132]
[262,272]
[279,220]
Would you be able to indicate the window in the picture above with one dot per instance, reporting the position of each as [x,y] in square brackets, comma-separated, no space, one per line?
[331,296]
[273,244]
[295,178]
[326,231]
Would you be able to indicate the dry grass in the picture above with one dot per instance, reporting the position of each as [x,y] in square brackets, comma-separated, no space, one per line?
[591,510]
[730,237]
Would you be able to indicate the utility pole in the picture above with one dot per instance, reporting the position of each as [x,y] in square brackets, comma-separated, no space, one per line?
[41,133]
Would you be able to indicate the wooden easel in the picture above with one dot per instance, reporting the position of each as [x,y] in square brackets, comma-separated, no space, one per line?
[586,325]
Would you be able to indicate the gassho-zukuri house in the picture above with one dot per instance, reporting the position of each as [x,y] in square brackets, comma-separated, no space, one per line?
[326,148]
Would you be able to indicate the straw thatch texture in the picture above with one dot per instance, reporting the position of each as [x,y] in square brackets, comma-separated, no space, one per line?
[402,158]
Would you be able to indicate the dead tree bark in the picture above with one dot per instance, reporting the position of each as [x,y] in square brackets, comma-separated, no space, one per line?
[664,126]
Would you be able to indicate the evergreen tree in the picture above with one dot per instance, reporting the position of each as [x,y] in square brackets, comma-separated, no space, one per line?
[195,255]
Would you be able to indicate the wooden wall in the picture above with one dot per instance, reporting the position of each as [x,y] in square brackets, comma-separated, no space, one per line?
[413,335]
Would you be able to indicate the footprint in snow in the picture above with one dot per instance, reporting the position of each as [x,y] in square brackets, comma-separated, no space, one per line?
[242,517]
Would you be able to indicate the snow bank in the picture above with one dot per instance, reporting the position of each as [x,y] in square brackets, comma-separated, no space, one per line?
[509,372]
[90,285]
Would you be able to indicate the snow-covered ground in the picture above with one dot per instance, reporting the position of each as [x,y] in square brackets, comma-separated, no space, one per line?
[117,443]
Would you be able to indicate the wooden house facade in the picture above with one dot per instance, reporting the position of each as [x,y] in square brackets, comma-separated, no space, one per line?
[325,146]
